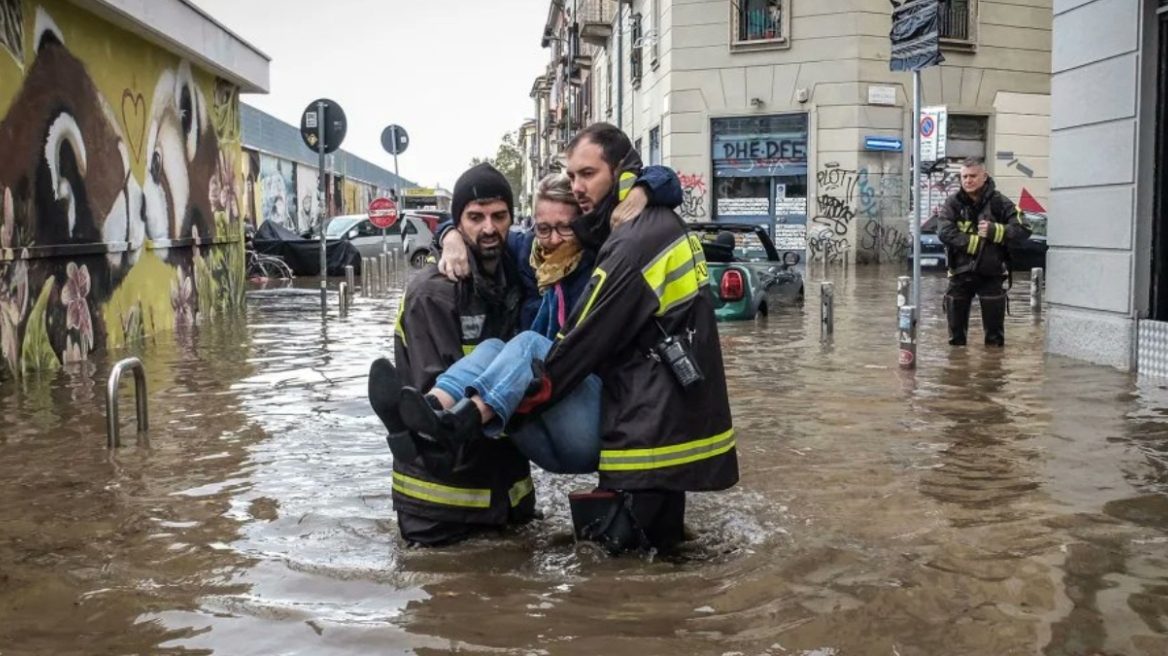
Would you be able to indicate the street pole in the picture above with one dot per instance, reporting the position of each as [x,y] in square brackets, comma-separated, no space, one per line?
[916,289]
[620,57]
[323,212]
[396,189]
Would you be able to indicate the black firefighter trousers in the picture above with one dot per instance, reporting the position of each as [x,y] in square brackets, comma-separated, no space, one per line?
[991,293]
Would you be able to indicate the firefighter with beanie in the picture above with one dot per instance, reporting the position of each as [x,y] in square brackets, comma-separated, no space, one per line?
[442,497]
[645,325]
[978,224]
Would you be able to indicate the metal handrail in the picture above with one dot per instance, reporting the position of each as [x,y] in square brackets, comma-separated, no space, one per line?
[113,428]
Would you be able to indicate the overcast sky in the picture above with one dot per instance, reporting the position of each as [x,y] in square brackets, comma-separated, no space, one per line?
[455,74]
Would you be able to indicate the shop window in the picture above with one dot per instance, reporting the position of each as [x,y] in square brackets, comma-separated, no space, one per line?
[758,24]
[738,197]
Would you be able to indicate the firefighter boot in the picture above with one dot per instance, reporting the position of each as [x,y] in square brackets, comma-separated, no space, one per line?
[385,398]
[993,319]
[957,312]
[450,428]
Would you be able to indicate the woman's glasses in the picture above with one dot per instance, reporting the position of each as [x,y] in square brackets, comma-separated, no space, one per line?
[545,230]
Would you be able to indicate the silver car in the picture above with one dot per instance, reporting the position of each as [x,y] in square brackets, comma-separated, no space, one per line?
[367,238]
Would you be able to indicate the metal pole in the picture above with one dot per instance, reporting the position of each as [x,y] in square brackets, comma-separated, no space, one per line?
[907,329]
[365,277]
[396,184]
[320,106]
[384,273]
[903,291]
[343,294]
[1036,290]
[916,279]
[113,425]
[827,310]
[352,288]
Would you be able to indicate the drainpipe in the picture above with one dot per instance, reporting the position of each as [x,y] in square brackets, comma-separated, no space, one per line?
[620,59]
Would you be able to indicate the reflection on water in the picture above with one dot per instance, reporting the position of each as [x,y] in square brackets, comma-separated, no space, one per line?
[994,502]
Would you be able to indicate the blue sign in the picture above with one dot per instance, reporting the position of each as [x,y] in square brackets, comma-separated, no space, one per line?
[887,144]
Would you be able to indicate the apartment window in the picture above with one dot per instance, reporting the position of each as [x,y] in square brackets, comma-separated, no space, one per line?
[957,18]
[655,37]
[637,145]
[758,24]
[638,46]
[655,147]
[966,137]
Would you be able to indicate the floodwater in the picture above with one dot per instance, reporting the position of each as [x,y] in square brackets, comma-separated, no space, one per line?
[992,503]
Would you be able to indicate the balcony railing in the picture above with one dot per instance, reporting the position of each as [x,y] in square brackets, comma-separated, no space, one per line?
[954,18]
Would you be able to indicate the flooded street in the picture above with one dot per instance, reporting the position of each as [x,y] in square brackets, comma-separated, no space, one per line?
[992,503]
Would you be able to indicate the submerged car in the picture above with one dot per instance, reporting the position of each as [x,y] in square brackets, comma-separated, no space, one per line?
[749,277]
[358,229]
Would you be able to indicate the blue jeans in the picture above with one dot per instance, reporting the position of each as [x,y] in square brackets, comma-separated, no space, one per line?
[565,438]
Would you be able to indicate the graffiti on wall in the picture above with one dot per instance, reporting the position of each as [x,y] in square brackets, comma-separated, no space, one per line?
[278,185]
[693,190]
[861,210]
[118,189]
[308,197]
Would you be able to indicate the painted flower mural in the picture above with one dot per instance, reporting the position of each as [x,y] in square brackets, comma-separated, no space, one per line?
[75,297]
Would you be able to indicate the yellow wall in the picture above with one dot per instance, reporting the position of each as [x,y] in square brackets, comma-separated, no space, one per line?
[121,188]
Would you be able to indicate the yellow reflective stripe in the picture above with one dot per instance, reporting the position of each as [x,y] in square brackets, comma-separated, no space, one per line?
[441,494]
[666,456]
[964,226]
[974,241]
[627,181]
[676,275]
[999,232]
[397,325]
[521,490]
[603,276]
[467,348]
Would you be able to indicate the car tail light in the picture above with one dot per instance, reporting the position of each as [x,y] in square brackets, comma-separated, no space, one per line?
[733,287]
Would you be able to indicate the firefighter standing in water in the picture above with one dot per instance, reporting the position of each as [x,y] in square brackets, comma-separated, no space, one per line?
[977,225]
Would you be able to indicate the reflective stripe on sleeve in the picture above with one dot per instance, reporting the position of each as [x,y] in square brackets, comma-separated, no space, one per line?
[441,494]
[999,232]
[397,325]
[520,490]
[974,242]
[666,456]
[676,275]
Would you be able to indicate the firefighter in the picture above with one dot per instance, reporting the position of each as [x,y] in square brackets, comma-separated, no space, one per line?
[645,324]
[442,497]
[978,224]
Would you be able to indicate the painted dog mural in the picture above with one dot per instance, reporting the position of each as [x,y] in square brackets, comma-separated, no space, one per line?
[120,208]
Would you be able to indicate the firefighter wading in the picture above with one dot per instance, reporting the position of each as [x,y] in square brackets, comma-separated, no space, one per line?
[439,322]
[978,265]
[650,280]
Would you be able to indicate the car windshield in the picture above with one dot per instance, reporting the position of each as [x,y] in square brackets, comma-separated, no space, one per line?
[340,225]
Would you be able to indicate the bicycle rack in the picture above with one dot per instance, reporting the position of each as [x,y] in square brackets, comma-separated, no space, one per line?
[113,428]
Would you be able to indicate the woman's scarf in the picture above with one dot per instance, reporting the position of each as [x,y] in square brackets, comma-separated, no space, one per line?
[551,268]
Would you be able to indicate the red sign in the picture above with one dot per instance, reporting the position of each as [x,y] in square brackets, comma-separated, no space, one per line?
[383,212]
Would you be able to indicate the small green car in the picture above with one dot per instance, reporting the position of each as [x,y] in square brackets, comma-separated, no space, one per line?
[747,275]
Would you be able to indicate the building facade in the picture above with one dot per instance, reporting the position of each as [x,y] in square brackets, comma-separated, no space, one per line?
[765,108]
[1108,279]
[121,191]
[282,176]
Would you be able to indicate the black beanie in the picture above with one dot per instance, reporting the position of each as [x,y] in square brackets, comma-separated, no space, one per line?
[480,182]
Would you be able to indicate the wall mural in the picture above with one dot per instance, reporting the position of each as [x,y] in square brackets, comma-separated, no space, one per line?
[120,215]
[278,182]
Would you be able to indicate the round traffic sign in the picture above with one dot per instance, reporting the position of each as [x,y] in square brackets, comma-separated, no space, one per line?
[928,125]
[335,126]
[383,212]
[395,140]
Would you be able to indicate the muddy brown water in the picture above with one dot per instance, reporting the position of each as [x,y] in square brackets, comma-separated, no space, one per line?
[994,502]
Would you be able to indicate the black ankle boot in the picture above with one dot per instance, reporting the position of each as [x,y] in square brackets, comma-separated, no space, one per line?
[384,392]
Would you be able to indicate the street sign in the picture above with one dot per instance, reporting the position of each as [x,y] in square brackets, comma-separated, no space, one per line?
[335,126]
[383,212]
[886,144]
[916,35]
[395,140]
[934,133]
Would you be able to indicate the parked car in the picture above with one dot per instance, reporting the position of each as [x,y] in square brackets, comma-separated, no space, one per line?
[1030,255]
[357,229]
[752,278]
[432,218]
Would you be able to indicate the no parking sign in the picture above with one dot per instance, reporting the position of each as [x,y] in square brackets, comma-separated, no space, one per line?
[934,128]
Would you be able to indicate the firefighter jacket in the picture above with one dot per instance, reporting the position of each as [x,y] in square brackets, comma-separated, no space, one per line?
[439,322]
[967,251]
[650,280]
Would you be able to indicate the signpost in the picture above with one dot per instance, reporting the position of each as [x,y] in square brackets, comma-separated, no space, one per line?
[916,45]
[383,214]
[323,127]
[884,144]
[395,140]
